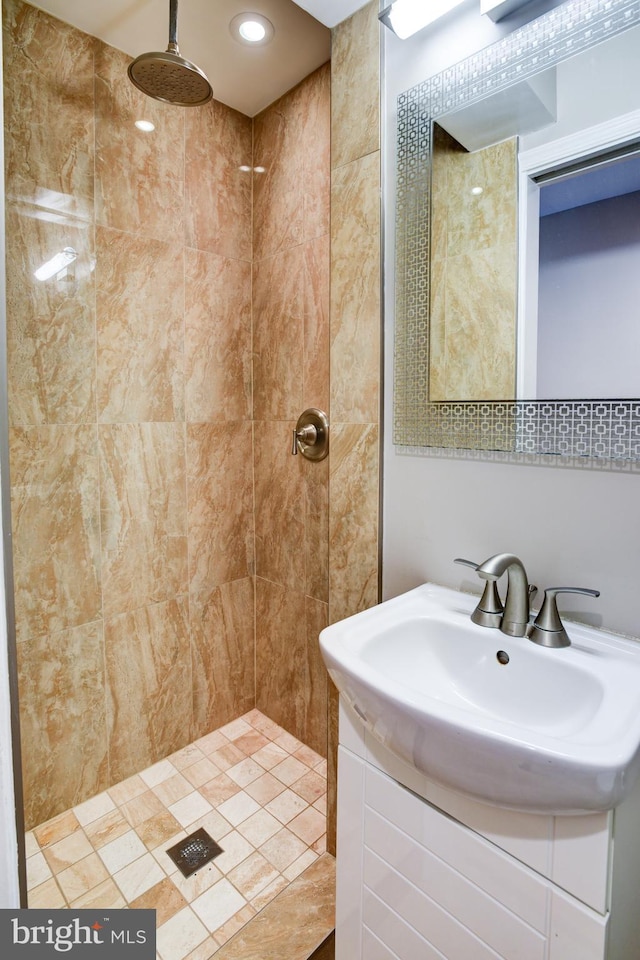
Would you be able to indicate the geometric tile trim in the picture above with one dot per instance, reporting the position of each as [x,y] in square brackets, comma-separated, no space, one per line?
[608,429]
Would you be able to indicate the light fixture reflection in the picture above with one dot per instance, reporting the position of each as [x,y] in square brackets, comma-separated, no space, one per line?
[406,17]
[145,125]
[57,264]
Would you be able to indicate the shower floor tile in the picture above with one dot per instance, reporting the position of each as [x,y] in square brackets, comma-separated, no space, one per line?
[257,791]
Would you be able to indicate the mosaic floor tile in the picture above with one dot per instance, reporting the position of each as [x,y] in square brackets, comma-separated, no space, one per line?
[255,789]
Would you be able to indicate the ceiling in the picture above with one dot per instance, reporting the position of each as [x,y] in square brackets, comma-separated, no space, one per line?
[245,78]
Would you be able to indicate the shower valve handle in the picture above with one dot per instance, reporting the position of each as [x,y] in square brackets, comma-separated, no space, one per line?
[307,434]
[311,434]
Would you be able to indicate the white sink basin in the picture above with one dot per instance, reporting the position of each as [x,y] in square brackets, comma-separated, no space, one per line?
[554,731]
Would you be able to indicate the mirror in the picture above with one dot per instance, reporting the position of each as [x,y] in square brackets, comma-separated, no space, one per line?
[517,365]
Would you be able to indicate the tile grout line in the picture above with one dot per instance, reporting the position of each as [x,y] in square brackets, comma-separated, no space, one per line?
[119,838]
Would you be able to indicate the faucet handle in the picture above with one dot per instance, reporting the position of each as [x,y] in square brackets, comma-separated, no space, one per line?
[467,563]
[548,629]
[489,610]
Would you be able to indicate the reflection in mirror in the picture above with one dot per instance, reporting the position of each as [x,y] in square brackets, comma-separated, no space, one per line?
[588,340]
[469,333]
[473,290]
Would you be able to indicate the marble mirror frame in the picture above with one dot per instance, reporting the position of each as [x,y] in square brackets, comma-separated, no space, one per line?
[605,428]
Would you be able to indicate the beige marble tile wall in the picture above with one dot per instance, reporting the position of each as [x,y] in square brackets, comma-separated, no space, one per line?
[473,271]
[131,417]
[291,373]
[355,331]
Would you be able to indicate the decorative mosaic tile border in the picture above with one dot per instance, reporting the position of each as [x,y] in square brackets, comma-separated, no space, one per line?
[607,429]
[573,428]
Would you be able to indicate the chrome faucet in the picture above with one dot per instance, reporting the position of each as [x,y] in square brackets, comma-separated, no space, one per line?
[548,629]
[515,618]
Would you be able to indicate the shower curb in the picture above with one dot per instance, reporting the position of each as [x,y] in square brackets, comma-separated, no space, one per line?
[297,925]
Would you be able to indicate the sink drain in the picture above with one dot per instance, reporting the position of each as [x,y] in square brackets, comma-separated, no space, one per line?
[502,657]
[194,851]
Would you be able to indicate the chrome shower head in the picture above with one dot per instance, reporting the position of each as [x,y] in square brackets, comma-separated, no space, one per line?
[168,76]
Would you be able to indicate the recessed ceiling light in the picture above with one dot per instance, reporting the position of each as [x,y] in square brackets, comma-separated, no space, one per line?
[252,29]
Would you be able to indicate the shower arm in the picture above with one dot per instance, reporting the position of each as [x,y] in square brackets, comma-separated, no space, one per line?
[173,27]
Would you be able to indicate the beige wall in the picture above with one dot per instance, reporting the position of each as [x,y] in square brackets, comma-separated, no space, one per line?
[355,331]
[132,412]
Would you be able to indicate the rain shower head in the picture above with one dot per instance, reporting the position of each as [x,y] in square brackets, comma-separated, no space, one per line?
[168,76]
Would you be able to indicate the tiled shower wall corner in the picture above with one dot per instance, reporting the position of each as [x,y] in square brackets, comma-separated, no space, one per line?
[133,425]
[291,373]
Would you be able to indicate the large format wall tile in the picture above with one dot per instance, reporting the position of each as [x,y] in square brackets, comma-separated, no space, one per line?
[353,519]
[488,219]
[355,335]
[140,328]
[480,335]
[50,324]
[278,195]
[148,662]
[279,506]
[62,720]
[291,155]
[312,99]
[220,504]
[223,652]
[291,372]
[281,655]
[355,291]
[55,519]
[278,335]
[139,175]
[314,724]
[291,507]
[291,679]
[48,96]
[217,337]
[473,289]
[143,513]
[316,528]
[218,183]
[315,367]
[355,86]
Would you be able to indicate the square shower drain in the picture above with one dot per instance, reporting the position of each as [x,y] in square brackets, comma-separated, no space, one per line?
[194,851]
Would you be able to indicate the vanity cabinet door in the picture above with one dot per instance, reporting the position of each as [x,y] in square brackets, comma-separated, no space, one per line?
[415,884]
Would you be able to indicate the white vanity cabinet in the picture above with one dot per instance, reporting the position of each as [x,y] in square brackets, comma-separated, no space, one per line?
[425,873]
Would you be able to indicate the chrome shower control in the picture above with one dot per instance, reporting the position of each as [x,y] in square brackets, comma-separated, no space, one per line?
[311,434]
